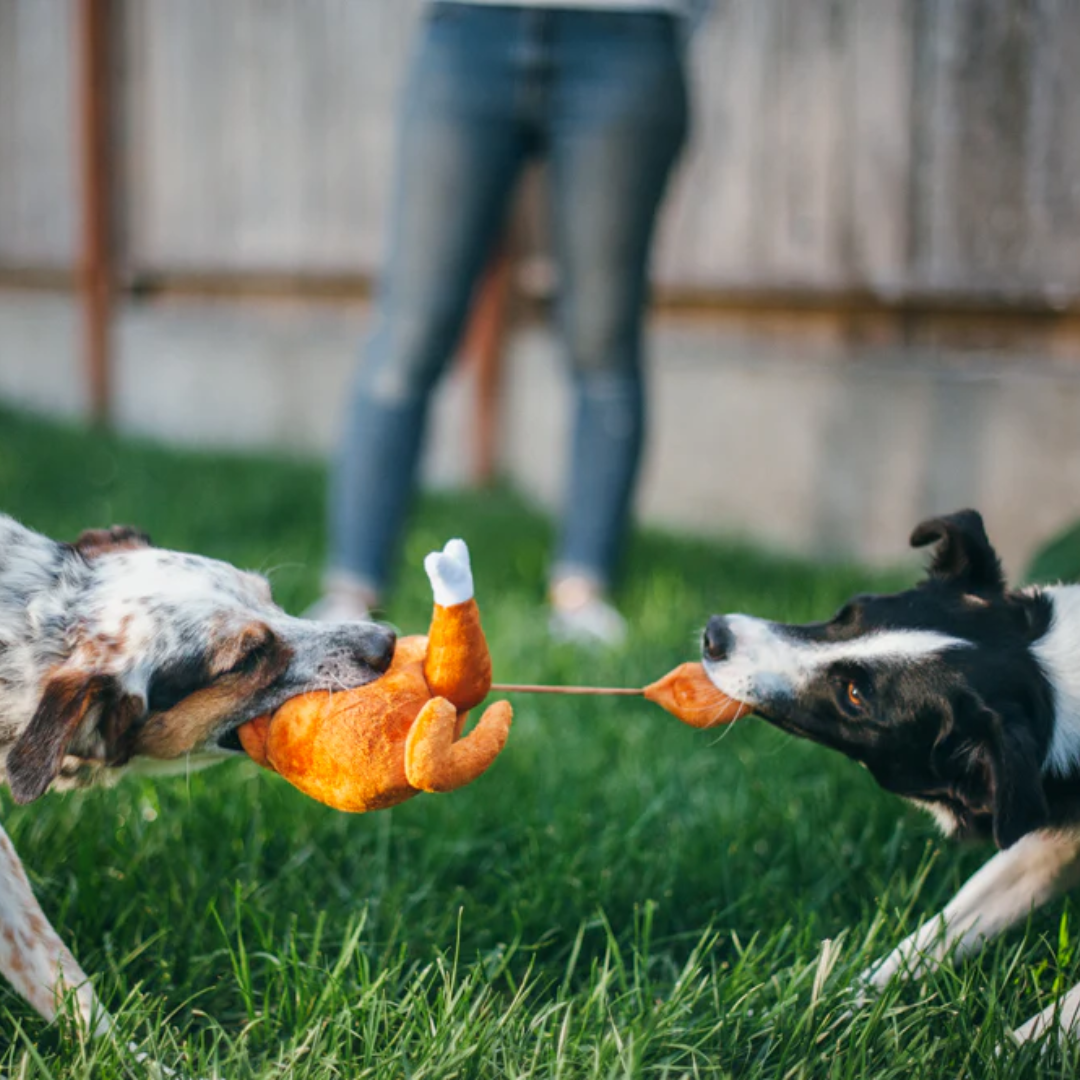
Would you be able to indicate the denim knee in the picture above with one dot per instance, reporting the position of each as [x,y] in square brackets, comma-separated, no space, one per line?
[406,355]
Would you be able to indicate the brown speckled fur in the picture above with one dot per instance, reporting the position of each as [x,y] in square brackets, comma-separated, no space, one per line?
[115,654]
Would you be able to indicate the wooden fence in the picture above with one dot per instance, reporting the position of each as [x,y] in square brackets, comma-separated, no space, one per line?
[901,156]
[897,147]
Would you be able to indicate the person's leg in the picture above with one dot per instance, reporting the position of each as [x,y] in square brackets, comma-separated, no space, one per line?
[461,145]
[618,119]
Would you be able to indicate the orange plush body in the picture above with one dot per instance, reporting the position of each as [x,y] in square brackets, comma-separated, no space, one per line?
[376,745]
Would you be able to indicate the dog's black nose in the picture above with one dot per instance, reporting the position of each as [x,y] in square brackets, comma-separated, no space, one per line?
[377,650]
[717,640]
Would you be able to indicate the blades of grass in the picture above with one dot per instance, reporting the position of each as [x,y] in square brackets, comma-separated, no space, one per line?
[238,957]
[349,949]
[571,964]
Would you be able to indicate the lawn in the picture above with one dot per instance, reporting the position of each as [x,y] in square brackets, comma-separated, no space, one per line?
[619,896]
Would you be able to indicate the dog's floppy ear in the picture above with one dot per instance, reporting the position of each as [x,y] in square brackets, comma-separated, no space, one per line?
[94,542]
[68,698]
[977,735]
[963,553]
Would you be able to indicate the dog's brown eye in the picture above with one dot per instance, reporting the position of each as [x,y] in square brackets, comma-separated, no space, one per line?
[854,695]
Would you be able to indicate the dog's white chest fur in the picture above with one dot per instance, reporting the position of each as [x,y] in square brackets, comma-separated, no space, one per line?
[1058,654]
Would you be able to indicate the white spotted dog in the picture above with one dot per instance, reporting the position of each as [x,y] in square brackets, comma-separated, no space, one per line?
[114,655]
[960,695]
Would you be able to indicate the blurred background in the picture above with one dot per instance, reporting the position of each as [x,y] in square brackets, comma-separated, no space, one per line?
[867,288]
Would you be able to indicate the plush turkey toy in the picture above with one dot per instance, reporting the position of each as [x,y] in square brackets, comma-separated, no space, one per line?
[381,743]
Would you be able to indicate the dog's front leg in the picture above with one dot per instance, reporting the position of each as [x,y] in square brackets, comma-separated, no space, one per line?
[1035,869]
[1063,1016]
[32,956]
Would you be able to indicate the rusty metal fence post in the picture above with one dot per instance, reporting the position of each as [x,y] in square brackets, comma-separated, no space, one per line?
[95,267]
[485,343]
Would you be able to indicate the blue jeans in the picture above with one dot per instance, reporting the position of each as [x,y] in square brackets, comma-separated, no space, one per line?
[602,98]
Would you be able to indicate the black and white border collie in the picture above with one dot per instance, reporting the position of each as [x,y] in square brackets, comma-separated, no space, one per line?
[960,695]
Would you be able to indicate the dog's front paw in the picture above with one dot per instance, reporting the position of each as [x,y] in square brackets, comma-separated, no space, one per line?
[450,574]
[859,995]
[151,1067]
[1058,1022]
[879,974]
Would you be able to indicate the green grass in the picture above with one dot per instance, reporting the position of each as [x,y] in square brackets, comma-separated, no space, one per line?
[1059,558]
[620,896]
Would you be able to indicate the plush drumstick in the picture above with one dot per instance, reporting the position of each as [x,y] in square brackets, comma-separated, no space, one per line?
[686,692]
[379,744]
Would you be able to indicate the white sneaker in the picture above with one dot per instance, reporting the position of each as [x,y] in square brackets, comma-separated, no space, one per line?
[580,615]
[344,599]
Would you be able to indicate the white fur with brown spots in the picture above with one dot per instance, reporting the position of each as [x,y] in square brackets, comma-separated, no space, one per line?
[115,655]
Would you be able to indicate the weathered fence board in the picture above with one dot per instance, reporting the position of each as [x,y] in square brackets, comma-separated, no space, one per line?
[1052,168]
[876,232]
[798,173]
[262,132]
[37,145]
[977,59]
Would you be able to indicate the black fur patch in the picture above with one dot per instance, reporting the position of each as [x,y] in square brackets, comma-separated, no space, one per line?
[968,727]
[173,682]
